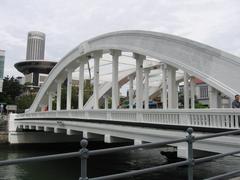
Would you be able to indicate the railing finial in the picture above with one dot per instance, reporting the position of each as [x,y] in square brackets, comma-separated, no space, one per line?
[190,130]
[84,143]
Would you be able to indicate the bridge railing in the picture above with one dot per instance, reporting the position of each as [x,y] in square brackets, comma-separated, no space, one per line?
[84,154]
[213,118]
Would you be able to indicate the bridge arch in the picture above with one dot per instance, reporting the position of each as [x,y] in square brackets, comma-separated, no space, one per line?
[215,67]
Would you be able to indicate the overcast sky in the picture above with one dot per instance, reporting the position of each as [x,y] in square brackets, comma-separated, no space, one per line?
[69,22]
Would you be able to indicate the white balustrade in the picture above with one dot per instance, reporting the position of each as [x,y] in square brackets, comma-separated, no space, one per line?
[209,118]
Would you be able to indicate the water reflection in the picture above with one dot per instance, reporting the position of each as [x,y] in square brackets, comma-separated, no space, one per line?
[69,169]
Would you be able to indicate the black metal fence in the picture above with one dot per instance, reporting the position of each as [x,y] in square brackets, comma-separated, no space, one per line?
[84,154]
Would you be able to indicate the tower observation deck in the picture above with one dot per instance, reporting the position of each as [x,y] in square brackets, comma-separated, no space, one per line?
[35,68]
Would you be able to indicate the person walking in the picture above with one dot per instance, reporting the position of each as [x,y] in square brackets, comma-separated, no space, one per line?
[236,103]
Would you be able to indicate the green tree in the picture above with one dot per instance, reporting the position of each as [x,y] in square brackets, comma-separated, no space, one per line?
[11,90]
[88,91]
[24,102]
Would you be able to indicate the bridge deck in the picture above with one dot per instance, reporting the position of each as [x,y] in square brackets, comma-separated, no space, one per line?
[138,124]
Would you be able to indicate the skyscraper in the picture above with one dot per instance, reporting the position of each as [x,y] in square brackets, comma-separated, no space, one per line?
[35,68]
[35,46]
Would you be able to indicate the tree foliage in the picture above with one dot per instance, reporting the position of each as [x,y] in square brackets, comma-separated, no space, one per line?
[11,90]
[88,91]
[24,102]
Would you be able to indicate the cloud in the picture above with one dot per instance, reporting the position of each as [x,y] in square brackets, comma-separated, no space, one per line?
[68,23]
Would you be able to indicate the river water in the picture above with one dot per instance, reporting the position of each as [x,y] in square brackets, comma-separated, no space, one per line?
[69,169]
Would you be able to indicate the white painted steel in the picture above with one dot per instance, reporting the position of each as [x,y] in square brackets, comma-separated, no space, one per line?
[139,80]
[81,85]
[192,87]
[97,57]
[50,100]
[105,88]
[186,91]
[171,84]
[115,87]
[209,118]
[146,88]
[178,52]
[164,86]
[69,89]
[213,118]
[131,92]
[59,93]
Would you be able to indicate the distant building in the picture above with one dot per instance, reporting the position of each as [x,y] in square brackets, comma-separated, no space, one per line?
[35,68]
[35,45]
[202,94]
[2,58]
[21,80]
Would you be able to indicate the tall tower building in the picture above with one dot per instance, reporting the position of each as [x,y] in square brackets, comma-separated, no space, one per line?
[35,68]
[35,45]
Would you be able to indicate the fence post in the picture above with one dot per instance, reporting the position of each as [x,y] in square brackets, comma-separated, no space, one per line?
[190,140]
[84,156]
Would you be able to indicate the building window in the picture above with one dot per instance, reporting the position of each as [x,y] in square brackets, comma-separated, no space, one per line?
[203,92]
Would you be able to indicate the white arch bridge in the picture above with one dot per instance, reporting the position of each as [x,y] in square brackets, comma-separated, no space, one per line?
[145,66]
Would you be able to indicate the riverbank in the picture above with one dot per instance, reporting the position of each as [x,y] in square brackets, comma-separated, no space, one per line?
[3,137]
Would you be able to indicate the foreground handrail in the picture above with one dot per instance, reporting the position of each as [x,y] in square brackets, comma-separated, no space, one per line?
[167,166]
[217,135]
[142,171]
[40,158]
[90,153]
[224,176]
[132,147]
[84,153]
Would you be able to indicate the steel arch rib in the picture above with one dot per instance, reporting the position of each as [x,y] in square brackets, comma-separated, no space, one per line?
[217,68]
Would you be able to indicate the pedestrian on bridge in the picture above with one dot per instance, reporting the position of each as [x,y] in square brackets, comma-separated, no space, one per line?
[236,103]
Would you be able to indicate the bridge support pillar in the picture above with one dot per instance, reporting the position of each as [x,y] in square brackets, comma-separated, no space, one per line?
[59,93]
[130,92]
[39,128]
[186,91]
[193,89]
[171,80]
[81,85]
[115,89]
[105,101]
[73,132]
[182,152]
[176,93]
[88,135]
[146,87]
[138,142]
[139,80]
[96,56]
[214,100]
[110,139]
[50,100]
[48,129]
[59,130]
[164,86]
[69,89]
